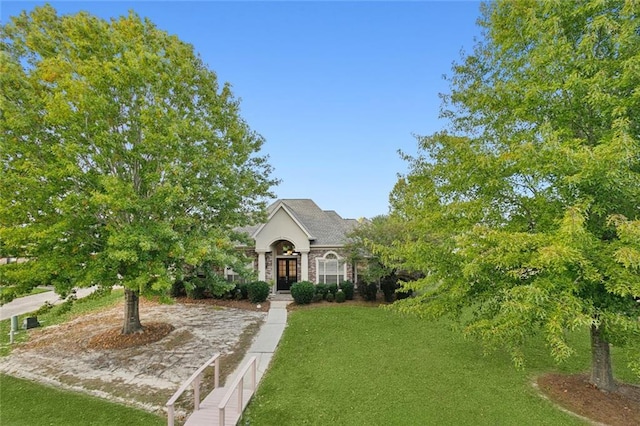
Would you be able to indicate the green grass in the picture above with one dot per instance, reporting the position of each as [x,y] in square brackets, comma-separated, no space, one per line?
[31,404]
[9,289]
[57,315]
[365,366]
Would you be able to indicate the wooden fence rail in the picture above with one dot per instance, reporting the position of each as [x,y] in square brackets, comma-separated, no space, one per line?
[195,380]
[238,385]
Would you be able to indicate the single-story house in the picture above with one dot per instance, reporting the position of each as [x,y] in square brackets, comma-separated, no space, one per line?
[299,242]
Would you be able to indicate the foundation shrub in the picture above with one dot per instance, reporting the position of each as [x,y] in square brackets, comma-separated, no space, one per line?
[347,288]
[258,291]
[322,290]
[303,292]
[331,297]
[243,290]
[388,285]
[340,296]
[368,291]
[333,288]
[177,289]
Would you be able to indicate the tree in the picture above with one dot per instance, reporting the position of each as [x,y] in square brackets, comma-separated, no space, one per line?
[123,162]
[379,230]
[525,208]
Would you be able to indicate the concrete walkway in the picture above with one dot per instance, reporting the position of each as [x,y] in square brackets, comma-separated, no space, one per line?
[263,347]
[26,304]
[267,339]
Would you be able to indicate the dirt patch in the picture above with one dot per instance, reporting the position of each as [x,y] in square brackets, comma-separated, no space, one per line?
[575,394]
[228,303]
[87,354]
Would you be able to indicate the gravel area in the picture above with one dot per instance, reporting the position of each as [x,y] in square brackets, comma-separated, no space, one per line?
[146,375]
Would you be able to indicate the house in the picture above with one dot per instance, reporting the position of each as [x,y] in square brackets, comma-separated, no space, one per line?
[299,242]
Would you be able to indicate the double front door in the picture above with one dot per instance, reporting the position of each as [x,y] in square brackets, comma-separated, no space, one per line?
[287,273]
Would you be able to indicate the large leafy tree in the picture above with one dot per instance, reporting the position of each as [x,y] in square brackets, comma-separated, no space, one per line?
[122,160]
[527,207]
[380,230]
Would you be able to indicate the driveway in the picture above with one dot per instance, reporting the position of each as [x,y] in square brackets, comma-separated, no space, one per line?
[31,303]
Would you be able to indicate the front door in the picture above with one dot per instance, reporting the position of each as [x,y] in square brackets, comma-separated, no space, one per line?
[287,273]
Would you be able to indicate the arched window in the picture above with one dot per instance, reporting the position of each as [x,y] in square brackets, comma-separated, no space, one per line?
[330,269]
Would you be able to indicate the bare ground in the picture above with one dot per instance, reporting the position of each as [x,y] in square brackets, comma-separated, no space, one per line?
[89,355]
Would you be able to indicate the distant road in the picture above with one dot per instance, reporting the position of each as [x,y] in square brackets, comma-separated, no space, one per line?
[23,305]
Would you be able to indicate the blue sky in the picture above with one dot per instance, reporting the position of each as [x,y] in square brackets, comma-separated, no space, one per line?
[336,88]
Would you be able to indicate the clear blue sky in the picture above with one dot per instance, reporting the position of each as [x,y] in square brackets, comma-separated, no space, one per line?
[336,88]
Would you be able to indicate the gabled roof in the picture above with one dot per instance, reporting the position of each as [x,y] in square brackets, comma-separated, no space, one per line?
[323,227]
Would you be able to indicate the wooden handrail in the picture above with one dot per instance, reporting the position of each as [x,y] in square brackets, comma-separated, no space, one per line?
[239,384]
[195,379]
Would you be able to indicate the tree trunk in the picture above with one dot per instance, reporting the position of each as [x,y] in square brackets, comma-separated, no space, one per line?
[131,312]
[601,371]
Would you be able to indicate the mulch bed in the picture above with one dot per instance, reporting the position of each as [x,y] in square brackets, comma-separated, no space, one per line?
[228,303]
[114,339]
[576,394]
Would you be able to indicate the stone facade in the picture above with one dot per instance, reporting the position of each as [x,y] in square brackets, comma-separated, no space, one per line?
[297,229]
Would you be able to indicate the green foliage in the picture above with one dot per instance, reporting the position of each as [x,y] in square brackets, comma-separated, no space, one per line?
[332,288]
[65,306]
[520,208]
[382,230]
[340,296]
[178,289]
[368,291]
[388,285]
[243,289]
[303,292]
[322,290]
[45,308]
[348,288]
[258,291]
[331,297]
[154,166]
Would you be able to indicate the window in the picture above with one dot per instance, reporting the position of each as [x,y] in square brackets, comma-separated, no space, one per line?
[330,269]
[233,277]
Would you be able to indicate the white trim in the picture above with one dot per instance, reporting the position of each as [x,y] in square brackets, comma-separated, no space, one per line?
[281,205]
[338,259]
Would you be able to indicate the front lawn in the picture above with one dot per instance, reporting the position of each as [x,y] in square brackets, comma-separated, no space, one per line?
[26,403]
[352,365]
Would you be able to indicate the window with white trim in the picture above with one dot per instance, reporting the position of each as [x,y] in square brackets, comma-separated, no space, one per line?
[330,269]
[234,277]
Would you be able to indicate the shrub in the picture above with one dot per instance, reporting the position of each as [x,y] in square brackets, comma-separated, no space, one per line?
[347,287]
[388,285]
[322,290]
[368,291]
[194,290]
[243,289]
[66,306]
[220,288]
[317,298]
[45,308]
[331,297]
[403,294]
[258,291]
[340,296]
[302,292]
[177,289]
[333,288]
